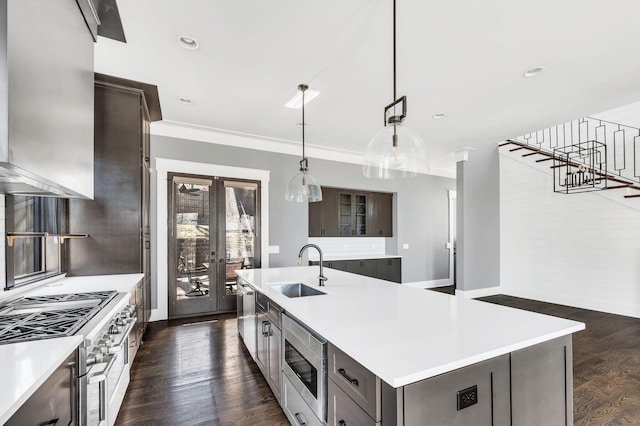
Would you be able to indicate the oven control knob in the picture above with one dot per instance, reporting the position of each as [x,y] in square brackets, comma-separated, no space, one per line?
[115,329]
[121,321]
[98,356]
[91,359]
[106,342]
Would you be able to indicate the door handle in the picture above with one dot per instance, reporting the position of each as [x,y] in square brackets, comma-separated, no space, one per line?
[299,419]
[343,373]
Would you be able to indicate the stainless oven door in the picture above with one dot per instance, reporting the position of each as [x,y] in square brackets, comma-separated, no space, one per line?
[102,379]
[305,365]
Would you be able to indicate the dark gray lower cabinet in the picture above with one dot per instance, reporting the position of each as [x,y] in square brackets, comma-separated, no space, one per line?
[55,401]
[531,386]
[343,410]
[366,267]
[269,342]
[541,376]
[436,401]
[388,268]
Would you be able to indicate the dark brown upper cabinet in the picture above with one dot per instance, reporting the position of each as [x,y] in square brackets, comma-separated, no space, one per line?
[351,213]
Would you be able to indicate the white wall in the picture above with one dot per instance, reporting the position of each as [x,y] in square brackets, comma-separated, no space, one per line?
[579,249]
[478,222]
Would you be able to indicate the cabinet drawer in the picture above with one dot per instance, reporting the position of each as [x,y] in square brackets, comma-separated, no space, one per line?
[355,380]
[343,411]
[297,411]
[262,301]
[274,313]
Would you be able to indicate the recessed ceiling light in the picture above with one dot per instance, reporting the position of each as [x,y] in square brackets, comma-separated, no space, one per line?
[184,100]
[438,116]
[296,101]
[188,42]
[533,72]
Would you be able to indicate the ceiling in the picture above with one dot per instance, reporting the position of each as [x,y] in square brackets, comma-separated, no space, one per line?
[463,58]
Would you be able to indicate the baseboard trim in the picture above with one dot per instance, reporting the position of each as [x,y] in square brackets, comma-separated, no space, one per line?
[480,292]
[429,284]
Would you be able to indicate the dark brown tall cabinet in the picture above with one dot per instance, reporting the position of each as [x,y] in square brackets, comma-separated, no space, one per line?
[117,219]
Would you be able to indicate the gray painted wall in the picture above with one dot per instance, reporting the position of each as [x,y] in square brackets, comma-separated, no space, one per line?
[421,204]
[478,220]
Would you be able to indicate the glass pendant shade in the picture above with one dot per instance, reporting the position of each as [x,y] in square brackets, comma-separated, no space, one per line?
[303,188]
[388,159]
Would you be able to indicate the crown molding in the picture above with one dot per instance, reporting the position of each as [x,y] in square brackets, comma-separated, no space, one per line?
[178,130]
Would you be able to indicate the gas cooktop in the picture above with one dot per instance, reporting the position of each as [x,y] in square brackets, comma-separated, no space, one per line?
[44,317]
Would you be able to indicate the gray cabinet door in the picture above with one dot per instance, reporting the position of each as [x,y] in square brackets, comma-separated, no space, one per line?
[395,270]
[542,385]
[436,401]
[113,218]
[380,214]
[275,360]
[262,341]
[323,215]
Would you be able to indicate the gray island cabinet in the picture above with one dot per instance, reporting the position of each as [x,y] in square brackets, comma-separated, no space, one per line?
[398,355]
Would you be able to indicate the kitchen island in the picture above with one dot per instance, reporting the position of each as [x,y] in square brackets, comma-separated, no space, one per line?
[413,341]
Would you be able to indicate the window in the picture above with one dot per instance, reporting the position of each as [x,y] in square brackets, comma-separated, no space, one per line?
[32,258]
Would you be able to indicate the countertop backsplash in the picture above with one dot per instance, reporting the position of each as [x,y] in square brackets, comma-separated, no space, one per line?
[349,247]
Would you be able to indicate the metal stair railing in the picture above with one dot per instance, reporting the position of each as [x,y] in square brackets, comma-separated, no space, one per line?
[621,150]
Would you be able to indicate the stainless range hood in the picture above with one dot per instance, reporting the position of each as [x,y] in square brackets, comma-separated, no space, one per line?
[46,99]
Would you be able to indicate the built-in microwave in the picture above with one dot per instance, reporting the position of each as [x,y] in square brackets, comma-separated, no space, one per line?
[305,364]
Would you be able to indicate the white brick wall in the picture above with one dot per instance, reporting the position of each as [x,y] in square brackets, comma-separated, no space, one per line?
[580,249]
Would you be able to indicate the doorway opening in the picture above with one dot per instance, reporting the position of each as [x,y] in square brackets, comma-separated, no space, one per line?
[214,230]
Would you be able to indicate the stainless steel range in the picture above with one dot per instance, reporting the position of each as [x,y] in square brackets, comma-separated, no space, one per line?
[104,320]
[45,317]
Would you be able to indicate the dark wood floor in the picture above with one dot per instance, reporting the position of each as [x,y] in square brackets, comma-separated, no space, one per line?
[201,374]
[197,374]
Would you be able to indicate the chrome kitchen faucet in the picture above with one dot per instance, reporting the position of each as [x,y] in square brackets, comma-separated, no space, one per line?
[321,277]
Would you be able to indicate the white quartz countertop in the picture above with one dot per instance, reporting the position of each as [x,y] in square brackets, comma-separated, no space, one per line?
[314,257]
[25,366]
[404,334]
[120,282]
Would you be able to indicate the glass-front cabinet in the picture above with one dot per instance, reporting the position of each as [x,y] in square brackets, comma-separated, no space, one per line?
[352,212]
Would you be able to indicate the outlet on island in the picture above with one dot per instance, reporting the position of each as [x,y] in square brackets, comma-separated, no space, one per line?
[467,397]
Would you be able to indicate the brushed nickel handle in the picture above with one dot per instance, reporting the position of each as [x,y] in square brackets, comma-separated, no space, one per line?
[343,373]
[299,420]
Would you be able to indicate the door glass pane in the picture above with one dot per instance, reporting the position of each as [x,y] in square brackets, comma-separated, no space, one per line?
[241,239]
[361,215]
[345,214]
[192,240]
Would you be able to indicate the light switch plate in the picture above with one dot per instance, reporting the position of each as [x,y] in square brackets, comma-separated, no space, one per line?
[405,246]
[274,249]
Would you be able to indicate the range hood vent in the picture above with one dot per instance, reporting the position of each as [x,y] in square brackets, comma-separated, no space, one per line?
[46,99]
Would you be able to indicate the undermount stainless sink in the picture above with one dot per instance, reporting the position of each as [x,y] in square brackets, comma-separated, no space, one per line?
[297,290]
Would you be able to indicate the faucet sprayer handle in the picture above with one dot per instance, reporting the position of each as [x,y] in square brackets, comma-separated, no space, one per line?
[322,279]
[299,260]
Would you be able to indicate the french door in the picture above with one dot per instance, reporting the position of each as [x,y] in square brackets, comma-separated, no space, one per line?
[214,230]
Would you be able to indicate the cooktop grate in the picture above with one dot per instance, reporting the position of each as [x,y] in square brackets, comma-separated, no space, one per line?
[25,322]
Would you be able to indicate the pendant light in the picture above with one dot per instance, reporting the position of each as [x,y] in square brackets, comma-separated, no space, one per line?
[303,187]
[395,151]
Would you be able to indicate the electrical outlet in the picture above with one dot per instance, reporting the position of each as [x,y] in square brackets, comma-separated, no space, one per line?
[467,397]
